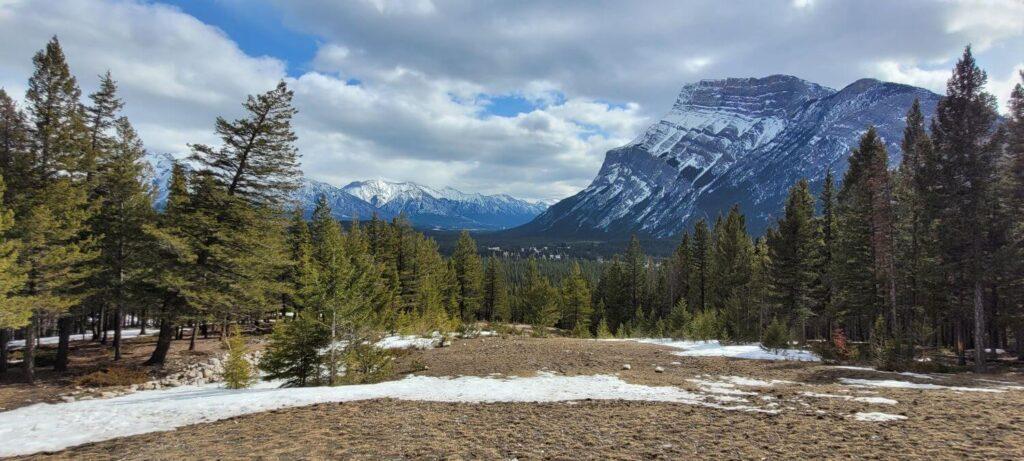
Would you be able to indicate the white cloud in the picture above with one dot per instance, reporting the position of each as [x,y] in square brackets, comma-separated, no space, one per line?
[598,71]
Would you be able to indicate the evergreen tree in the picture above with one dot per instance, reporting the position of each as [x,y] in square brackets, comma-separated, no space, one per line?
[576,299]
[15,158]
[101,117]
[257,160]
[540,299]
[827,257]
[792,248]
[700,264]
[294,351]
[125,207]
[14,313]
[495,292]
[962,133]
[52,213]
[865,221]
[732,263]
[634,275]
[469,276]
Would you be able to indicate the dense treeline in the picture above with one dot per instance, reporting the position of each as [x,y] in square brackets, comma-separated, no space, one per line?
[927,254]
[83,250]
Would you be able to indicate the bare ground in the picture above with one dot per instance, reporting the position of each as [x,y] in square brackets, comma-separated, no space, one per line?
[940,424]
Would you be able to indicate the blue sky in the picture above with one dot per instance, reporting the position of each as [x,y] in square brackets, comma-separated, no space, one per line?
[522,97]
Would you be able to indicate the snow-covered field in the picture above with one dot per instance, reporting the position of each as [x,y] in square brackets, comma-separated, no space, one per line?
[739,351]
[49,427]
[125,334]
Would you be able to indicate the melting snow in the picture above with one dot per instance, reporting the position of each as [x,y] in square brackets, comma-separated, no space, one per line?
[892,383]
[878,400]
[125,334]
[904,373]
[739,351]
[49,427]
[877,417]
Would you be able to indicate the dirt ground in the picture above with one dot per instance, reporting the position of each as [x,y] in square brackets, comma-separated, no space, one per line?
[86,357]
[810,415]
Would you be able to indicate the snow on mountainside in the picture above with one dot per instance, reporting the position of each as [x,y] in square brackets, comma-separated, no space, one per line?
[737,140]
[445,208]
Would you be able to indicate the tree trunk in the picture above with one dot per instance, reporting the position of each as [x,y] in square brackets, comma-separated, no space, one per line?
[142,322]
[118,320]
[5,336]
[28,364]
[979,329]
[63,343]
[958,333]
[104,323]
[192,340]
[163,343]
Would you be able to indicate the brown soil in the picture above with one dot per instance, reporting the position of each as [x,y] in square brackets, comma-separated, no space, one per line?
[86,357]
[940,424]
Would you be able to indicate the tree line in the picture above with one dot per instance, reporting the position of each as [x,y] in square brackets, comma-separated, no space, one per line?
[926,254]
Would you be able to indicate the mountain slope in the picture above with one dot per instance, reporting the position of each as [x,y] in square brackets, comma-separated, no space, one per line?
[729,141]
[426,207]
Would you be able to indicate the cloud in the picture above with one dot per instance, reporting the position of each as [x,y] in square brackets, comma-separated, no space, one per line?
[402,89]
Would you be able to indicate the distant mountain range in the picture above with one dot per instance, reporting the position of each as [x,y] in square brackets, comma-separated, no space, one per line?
[426,207]
[737,140]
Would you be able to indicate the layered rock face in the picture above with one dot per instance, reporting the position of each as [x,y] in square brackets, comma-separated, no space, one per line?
[734,141]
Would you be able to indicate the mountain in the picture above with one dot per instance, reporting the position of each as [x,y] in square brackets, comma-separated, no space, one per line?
[734,141]
[443,209]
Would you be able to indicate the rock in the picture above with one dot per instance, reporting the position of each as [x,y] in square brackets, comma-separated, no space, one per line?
[107,395]
[659,370]
[133,387]
[68,398]
[627,366]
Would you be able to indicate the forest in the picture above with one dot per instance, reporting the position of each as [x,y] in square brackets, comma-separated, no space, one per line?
[925,255]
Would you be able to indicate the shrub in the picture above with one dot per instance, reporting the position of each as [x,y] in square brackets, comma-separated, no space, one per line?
[367,364]
[294,351]
[704,326]
[776,336]
[602,330]
[238,372]
[840,346]
[884,350]
[581,330]
[113,376]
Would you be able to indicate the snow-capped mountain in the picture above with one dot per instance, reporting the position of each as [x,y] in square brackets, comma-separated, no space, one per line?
[737,140]
[445,208]
[426,207]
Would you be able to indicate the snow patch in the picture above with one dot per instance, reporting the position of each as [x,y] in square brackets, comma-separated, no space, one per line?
[892,383]
[125,334]
[51,427]
[738,351]
[877,400]
[877,417]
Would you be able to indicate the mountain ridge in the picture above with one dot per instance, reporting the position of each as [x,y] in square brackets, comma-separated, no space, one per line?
[442,209]
[726,141]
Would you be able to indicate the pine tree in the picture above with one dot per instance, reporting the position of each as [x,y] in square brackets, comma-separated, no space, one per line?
[101,117]
[14,313]
[827,258]
[865,241]
[732,266]
[792,248]
[700,265]
[238,372]
[293,353]
[469,276]
[495,299]
[679,270]
[257,160]
[172,259]
[125,207]
[540,299]
[15,157]
[964,123]
[634,275]
[1014,196]
[52,213]
[576,302]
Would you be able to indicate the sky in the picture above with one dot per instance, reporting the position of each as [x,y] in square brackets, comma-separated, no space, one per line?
[522,97]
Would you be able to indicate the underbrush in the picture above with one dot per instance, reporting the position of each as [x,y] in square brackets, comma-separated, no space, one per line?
[113,376]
